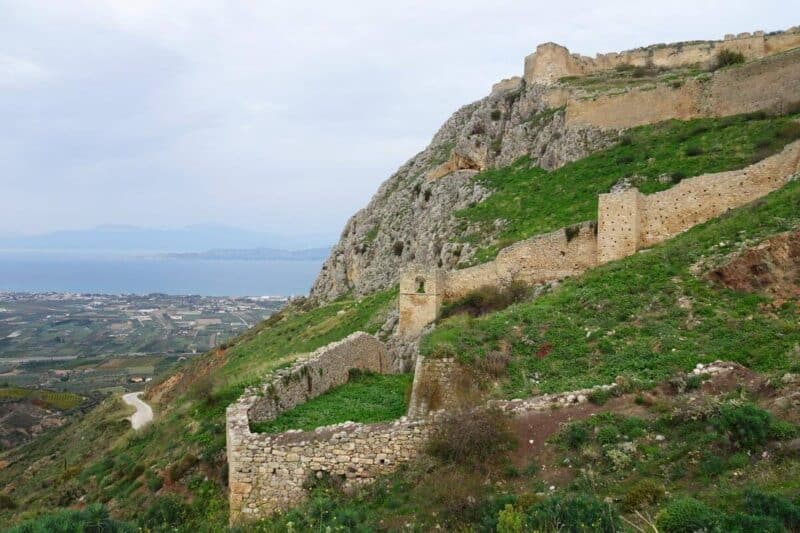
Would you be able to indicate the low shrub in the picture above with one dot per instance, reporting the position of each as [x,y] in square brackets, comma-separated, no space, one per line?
[712,466]
[456,493]
[6,502]
[472,438]
[94,518]
[165,513]
[745,425]
[694,151]
[645,492]
[745,523]
[154,481]
[509,520]
[789,131]
[600,396]
[762,504]
[487,300]
[727,57]
[178,469]
[686,515]
[397,248]
[496,114]
[608,434]
[582,513]
[575,435]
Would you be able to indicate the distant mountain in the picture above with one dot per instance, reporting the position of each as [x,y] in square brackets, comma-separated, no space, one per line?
[137,239]
[254,254]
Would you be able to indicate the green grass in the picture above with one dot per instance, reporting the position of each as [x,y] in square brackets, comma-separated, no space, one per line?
[533,201]
[57,400]
[100,457]
[297,332]
[624,318]
[366,398]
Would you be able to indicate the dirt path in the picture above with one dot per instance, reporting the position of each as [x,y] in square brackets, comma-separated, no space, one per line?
[143,414]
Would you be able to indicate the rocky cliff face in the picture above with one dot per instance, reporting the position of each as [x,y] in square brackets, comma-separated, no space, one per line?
[410,218]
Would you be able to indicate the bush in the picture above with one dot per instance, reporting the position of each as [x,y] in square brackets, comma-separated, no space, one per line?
[496,114]
[600,396]
[695,381]
[746,425]
[397,248]
[763,504]
[575,435]
[789,131]
[178,469]
[93,519]
[608,434]
[582,513]
[726,58]
[457,494]
[712,466]
[487,299]
[154,481]
[6,502]
[509,520]
[166,512]
[745,523]
[645,492]
[686,515]
[694,151]
[472,438]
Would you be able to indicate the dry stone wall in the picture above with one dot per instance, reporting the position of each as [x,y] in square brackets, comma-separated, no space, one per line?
[319,372]
[267,472]
[770,84]
[438,385]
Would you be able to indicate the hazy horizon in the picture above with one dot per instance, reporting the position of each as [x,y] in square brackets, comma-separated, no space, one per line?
[270,117]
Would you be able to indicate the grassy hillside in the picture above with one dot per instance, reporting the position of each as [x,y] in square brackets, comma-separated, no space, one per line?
[532,201]
[685,455]
[645,317]
[175,467]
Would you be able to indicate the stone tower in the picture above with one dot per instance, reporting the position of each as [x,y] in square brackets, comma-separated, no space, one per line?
[421,291]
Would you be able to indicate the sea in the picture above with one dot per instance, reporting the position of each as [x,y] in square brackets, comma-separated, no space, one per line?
[145,273]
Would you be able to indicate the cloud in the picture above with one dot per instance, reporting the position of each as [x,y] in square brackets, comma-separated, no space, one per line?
[17,72]
[276,116]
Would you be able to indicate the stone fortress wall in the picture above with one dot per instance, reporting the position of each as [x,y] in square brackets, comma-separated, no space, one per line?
[627,222]
[551,61]
[630,221]
[769,84]
[561,253]
[253,459]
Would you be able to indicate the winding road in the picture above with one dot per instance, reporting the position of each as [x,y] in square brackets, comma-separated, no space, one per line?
[143,414]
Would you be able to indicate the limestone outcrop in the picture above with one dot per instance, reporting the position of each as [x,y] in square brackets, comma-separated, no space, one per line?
[410,217]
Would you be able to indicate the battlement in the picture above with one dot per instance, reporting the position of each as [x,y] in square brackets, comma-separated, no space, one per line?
[551,61]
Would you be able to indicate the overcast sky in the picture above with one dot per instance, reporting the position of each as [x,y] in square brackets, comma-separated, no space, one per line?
[273,116]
